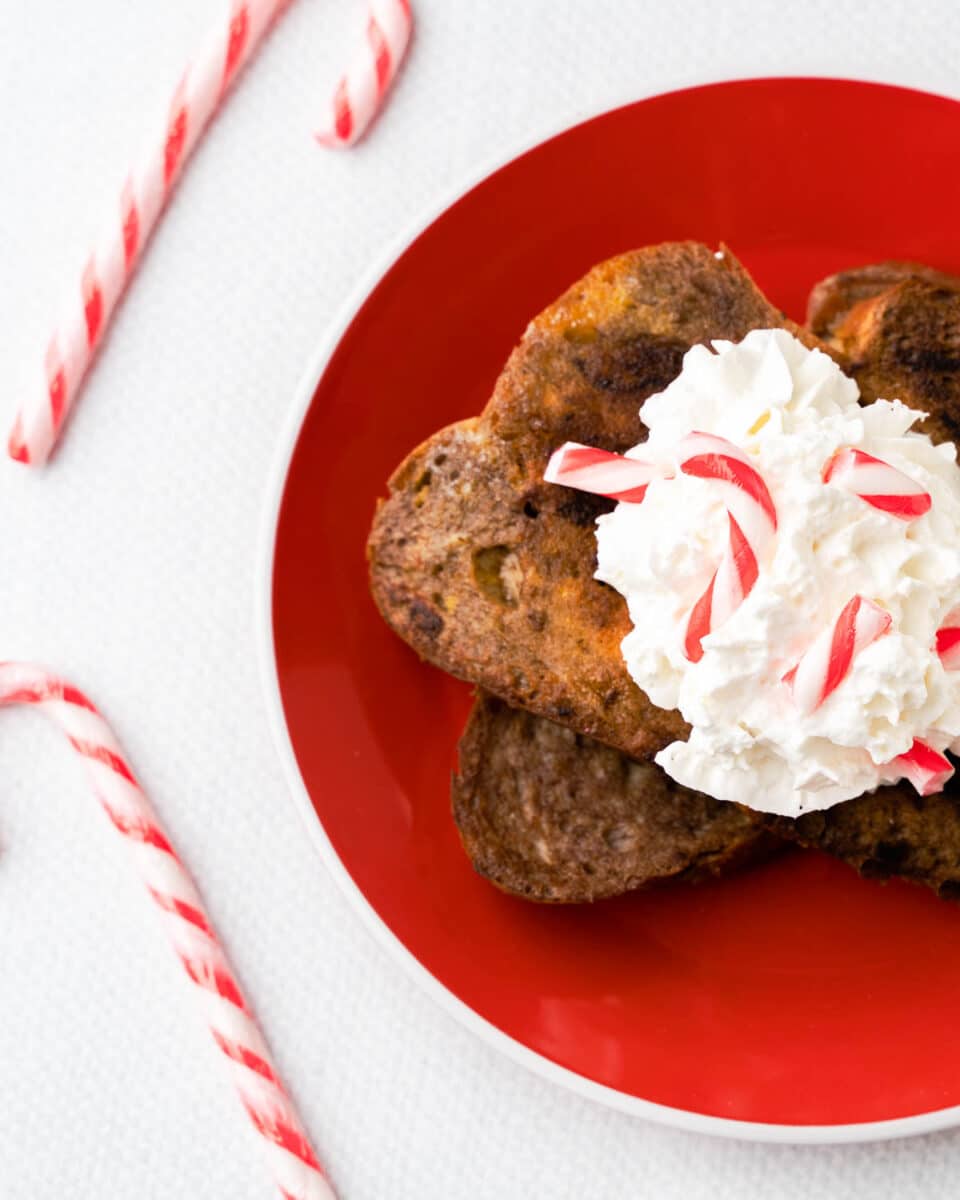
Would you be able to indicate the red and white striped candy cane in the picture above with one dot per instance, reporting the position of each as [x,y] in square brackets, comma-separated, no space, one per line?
[602,473]
[948,641]
[752,520]
[108,270]
[927,769]
[359,94]
[825,665]
[242,1047]
[877,483]
[751,513]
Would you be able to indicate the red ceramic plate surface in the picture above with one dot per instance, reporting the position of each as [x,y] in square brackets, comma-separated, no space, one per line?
[796,1000]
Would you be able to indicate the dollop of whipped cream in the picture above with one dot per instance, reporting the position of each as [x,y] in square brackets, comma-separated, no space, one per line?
[790,409]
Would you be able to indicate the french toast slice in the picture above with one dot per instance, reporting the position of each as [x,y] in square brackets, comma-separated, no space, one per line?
[895,327]
[832,299]
[486,570]
[889,833]
[549,815]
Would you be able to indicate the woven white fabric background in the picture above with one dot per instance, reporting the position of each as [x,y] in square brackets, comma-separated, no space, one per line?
[130,566]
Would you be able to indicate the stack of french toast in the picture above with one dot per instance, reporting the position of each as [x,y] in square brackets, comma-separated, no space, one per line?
[488,573]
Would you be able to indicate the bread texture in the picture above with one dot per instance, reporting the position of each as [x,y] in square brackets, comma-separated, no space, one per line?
[889,833]
[832,299]
[549,815]
[486,570]
[895,328]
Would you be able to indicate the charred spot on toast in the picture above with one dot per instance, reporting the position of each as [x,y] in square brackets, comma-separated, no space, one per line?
[629,364]
[581,508]
[425,619]
[887,858]
[929,360]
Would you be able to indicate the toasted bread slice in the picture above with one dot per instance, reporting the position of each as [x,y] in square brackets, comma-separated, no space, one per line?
[832,299]
[486,570]
[549,815]
[896,329]
[891,832]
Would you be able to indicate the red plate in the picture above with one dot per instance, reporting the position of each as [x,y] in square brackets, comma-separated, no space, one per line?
[796,1001]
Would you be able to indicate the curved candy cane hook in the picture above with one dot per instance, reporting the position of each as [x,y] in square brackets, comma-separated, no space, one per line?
[242,1047]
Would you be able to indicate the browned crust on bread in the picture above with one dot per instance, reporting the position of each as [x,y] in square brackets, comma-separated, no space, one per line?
[905,343]
[895,327]
[549,815]
[832,298]
[892,832]
[486,570]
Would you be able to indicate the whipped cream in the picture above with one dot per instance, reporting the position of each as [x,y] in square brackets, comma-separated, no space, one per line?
[789,409]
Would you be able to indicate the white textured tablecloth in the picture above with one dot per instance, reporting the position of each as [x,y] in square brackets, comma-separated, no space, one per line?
[130,565]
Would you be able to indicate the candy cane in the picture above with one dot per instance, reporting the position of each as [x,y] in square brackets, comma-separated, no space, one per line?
[948,641]
[751,514]
[144,194]
[242,1047]
[825,665]
[752,521]
[359,94]
[877,483]
[616,476]
[927,769]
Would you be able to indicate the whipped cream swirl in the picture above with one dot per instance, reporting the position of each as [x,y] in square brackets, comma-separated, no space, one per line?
[789,409]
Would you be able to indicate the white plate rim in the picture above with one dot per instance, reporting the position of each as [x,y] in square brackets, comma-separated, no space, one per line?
[683,1119]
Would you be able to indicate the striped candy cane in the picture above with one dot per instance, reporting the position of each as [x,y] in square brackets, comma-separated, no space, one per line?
[752,516]
[877,483]
[242,1047]
[948,641]
[616,476]
[827,662]
[108,270]
[752,521]
[359,94]
[927,769]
